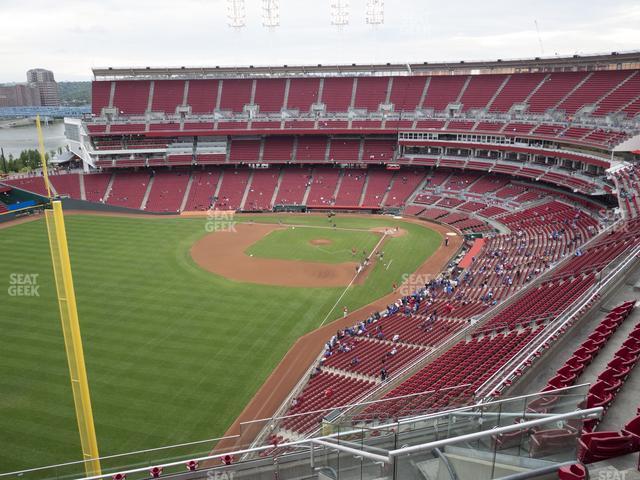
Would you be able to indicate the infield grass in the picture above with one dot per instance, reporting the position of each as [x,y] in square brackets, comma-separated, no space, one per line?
[296,243]
[173,352]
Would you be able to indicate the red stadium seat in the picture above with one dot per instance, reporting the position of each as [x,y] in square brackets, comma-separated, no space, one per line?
[598,446]
[572,472]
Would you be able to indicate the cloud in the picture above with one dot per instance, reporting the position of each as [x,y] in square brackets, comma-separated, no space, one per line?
[72,36]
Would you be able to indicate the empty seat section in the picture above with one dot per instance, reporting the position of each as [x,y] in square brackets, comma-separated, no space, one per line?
[311,149]
[351,186]
[263,185]
[246,151]
[344,151]
[443,91]
[234,184]
[277,149]
[323,186]
[336,94]
[203,188]
[461,370]
[66,184]
[167,191]
[617,99]
[95,186]
[100,93]
[378,151]
[377,186]
[371,92]
[405,95]
[31,184]
[404,184]
[323,392]
[303,92]
[236,94]
[293,186]
[202,96]
[167,95]
[131,97]
[128,189]
[270,94]
[480,90]
[553,90]
[598,84]
[519,86]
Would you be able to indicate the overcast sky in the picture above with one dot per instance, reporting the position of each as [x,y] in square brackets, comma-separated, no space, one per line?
[72,36]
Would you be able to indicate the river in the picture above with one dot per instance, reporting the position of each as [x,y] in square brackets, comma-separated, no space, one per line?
[14,140]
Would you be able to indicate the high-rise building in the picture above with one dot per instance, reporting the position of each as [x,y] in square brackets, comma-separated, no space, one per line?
[47,85]
[20,95]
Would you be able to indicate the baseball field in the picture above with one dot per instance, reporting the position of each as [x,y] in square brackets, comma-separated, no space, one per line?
[175,347]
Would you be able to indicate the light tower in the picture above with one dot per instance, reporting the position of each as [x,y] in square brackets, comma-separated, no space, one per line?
[339,10]
[270,13]
[236,14]
[375,12]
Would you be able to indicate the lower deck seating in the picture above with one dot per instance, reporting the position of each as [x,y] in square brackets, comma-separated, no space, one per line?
[232,188]
[261,190]
[323,187]
[31,184]
[293,186]
[128,189]
[203,188]
[351,186]
[378,184]
[404,184]
[95,186]
[167,192]
[68,184]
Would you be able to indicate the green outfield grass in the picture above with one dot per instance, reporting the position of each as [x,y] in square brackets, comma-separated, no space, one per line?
[295,244]
[173,352]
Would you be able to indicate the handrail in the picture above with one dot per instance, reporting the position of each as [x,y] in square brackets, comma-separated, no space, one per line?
[582,414]
[119,455]
[298,443]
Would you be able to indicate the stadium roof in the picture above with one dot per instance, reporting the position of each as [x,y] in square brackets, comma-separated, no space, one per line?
[609,61]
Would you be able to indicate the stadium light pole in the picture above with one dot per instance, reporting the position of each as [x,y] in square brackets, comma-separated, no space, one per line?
[270,13]
[236,14]
[70,325]
[375,12]
[339,11]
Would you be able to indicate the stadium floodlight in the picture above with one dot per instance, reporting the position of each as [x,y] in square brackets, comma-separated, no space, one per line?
[339,12]
[375,12]
[236,14]
[270,13]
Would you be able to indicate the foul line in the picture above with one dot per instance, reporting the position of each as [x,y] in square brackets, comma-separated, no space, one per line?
[384,235]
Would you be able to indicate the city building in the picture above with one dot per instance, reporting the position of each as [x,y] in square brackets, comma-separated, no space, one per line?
[46,84]
[20,95]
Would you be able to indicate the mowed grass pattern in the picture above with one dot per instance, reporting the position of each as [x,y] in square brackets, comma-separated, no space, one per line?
[173,352]
[295,243]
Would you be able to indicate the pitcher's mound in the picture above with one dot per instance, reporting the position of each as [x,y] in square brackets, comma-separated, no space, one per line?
[320,241]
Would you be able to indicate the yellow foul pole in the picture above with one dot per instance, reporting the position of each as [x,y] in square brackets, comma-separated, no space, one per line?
[43,158]
[70,324]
